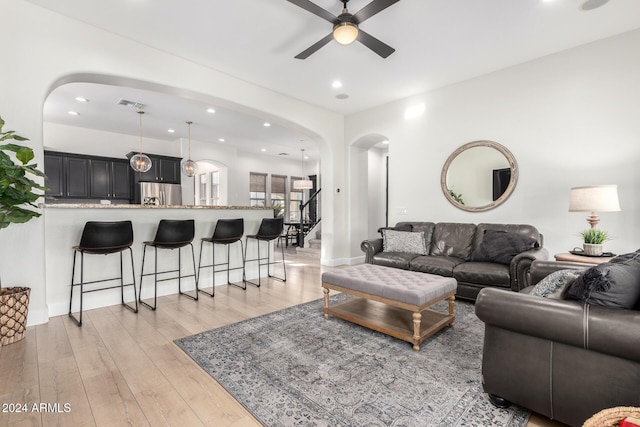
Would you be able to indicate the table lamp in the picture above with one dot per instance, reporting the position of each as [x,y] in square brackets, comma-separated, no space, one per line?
[596,198]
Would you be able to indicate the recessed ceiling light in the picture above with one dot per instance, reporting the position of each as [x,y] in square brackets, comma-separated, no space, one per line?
[385,142]
[336,84]
[211,110]
[74,113]
[266,124]
[342,96]
[263,149]
[81,99]
[171,130]
[306,157]
[221,139]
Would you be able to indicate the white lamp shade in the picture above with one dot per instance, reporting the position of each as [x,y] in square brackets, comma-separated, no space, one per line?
[302,184]
[597,198]
[140,162]
[345,32]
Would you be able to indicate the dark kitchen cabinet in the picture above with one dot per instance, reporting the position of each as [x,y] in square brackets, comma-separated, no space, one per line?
[163,169]
[75,176]
[109,179]
[121,174]
[54,170]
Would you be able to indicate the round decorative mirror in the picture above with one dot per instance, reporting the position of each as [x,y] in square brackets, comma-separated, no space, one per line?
[479,176]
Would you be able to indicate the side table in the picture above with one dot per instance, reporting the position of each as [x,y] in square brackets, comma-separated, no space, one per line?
[592,260]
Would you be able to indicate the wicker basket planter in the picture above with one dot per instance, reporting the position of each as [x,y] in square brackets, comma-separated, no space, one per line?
[592,249]
[612,417]
[14,306]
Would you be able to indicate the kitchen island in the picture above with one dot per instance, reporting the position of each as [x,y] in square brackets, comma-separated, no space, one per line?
[63,228]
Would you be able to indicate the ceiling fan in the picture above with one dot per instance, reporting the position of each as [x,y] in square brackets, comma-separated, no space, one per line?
[346,26]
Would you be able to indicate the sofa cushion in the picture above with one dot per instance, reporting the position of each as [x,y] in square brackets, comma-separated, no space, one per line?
[553,284]
[524,229]
[440,265]
[403,241]
[483,273]
[394,259]
[502,246]
[453,240]
[612,284]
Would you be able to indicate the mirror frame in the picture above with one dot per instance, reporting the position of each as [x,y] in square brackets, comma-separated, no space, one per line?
[512,183]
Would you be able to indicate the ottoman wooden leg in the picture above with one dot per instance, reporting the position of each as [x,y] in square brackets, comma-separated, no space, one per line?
[452,300]
[326,301]
[417,319]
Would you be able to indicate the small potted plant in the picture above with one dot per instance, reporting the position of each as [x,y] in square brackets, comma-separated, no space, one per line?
[593,239]
[17,200]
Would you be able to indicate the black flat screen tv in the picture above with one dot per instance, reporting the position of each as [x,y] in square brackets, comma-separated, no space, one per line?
[501,178]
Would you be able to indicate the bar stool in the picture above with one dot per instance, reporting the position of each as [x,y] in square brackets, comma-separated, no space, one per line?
[103,238]
[227,232]
[171,234]
[270,229]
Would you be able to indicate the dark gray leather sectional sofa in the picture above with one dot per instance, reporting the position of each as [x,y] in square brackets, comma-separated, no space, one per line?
[451,248]
[563,359]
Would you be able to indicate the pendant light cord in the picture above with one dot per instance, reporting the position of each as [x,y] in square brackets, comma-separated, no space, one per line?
[140,113]
[189,149]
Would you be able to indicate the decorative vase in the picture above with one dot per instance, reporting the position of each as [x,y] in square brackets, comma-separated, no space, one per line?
[14,307]
[592,249]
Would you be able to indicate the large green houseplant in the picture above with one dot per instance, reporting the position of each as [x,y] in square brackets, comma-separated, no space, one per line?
[18,196]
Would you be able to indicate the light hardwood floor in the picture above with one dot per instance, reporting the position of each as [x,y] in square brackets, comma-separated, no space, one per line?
[124,369]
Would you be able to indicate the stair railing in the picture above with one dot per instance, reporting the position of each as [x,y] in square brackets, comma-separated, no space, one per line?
[303,231]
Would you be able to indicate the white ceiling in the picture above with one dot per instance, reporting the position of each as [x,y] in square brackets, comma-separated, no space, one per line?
[437,42]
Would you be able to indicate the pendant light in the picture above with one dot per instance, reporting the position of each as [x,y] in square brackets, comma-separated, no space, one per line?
[189,167]
[304,183]
[140,162]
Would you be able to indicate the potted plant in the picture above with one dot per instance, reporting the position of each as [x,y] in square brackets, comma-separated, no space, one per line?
[17,201]
[593,239]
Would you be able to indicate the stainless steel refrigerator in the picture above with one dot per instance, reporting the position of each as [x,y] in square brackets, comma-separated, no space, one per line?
[156,193]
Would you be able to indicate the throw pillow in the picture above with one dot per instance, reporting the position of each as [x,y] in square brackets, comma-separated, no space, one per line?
[612,284]
[403,241]
[401,227]
[552,285]
[501,246]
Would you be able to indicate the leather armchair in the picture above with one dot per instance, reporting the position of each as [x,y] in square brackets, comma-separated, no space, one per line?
[559,358]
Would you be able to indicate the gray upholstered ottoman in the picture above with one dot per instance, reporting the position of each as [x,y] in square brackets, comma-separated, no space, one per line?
[392,301]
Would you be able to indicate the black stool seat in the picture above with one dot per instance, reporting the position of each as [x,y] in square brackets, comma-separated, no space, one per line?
[226,232]
[270,229]
[171,234]
[103,238]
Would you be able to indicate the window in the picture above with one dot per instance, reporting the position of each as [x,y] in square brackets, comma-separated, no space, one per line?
[257,189]
[294,201]
[214,193]
[278,194]
[202,180]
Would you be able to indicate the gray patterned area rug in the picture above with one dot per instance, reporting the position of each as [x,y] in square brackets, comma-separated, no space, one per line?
[296,368]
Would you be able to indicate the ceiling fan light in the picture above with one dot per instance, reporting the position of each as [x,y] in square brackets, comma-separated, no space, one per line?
[345,32]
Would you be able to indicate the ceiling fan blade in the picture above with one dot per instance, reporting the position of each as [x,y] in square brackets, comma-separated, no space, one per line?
[371,9]
[316,46]
[374,44]
[315,9]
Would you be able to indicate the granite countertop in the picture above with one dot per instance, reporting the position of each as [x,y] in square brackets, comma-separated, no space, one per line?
[136,206]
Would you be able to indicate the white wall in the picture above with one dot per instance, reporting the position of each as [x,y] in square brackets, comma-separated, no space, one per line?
[570,119]
[48,50]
